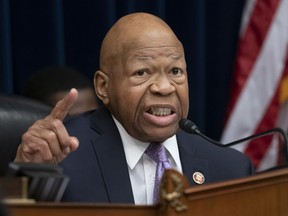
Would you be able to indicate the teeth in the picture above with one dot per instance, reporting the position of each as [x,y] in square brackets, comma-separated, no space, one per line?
[160,111]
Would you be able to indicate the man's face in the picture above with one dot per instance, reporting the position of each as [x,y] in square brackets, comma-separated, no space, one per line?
[148,89]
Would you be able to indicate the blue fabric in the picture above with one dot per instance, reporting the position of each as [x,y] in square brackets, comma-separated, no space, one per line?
[35,34]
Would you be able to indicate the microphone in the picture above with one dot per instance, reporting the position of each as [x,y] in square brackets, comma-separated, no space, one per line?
[189,127]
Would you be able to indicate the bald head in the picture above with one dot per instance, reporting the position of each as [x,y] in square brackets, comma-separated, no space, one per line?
[132,31]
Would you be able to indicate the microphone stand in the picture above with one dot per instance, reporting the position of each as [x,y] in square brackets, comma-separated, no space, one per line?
[190,127]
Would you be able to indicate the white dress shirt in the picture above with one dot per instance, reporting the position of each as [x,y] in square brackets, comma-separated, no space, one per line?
[142,168]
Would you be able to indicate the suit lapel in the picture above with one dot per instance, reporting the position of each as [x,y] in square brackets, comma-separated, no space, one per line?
[191,163]
[111,158]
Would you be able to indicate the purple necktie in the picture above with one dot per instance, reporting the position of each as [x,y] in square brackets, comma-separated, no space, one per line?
[157,152]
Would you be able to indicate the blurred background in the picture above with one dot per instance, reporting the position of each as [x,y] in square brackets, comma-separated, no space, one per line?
[35,34]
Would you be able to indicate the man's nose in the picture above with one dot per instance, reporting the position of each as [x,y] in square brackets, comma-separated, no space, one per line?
[162,85]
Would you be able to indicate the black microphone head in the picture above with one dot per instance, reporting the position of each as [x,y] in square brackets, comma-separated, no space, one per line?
[188,126]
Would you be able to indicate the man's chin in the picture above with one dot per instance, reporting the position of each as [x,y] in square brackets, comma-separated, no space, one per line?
[159,136]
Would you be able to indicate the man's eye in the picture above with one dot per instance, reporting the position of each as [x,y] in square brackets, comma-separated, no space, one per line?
[176,71]
[141,73]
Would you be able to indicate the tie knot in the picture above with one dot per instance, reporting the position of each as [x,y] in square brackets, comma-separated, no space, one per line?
[157,152]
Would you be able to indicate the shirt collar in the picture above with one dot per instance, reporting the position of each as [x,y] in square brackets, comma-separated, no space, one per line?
[134,149]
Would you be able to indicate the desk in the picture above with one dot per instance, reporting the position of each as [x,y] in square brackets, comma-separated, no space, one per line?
[260,195]
[76,209]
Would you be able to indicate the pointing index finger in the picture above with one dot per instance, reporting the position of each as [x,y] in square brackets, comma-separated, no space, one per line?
[63,106]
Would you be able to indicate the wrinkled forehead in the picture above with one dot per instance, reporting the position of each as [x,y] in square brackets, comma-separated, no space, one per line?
[136,32]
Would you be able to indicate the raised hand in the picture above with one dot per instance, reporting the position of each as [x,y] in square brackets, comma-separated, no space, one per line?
[47,140]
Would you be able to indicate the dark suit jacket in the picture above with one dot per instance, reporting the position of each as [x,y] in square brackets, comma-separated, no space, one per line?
[98,170]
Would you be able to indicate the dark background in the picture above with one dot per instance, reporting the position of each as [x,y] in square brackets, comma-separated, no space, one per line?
[39,33]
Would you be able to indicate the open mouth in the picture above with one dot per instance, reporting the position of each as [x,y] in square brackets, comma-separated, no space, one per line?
[160,111]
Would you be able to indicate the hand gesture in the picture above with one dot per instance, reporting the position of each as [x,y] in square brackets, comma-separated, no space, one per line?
[47,140]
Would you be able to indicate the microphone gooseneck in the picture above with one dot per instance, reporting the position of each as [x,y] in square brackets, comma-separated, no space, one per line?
[189,127]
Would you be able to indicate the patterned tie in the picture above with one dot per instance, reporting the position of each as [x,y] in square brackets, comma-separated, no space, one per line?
[157,152]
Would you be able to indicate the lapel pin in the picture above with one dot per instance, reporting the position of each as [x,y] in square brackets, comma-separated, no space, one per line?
[198,178]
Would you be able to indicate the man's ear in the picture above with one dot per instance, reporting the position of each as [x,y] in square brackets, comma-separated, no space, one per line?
[101,82]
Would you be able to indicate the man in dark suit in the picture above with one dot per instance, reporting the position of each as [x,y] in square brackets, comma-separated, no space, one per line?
[142,82]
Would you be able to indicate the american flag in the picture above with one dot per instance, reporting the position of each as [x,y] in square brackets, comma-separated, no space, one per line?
[259,91]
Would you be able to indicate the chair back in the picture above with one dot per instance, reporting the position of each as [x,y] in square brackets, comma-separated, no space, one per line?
[17,114]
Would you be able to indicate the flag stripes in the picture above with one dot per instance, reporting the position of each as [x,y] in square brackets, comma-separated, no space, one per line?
[259,70]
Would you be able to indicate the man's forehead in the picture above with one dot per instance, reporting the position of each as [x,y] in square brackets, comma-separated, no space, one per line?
[134,32]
